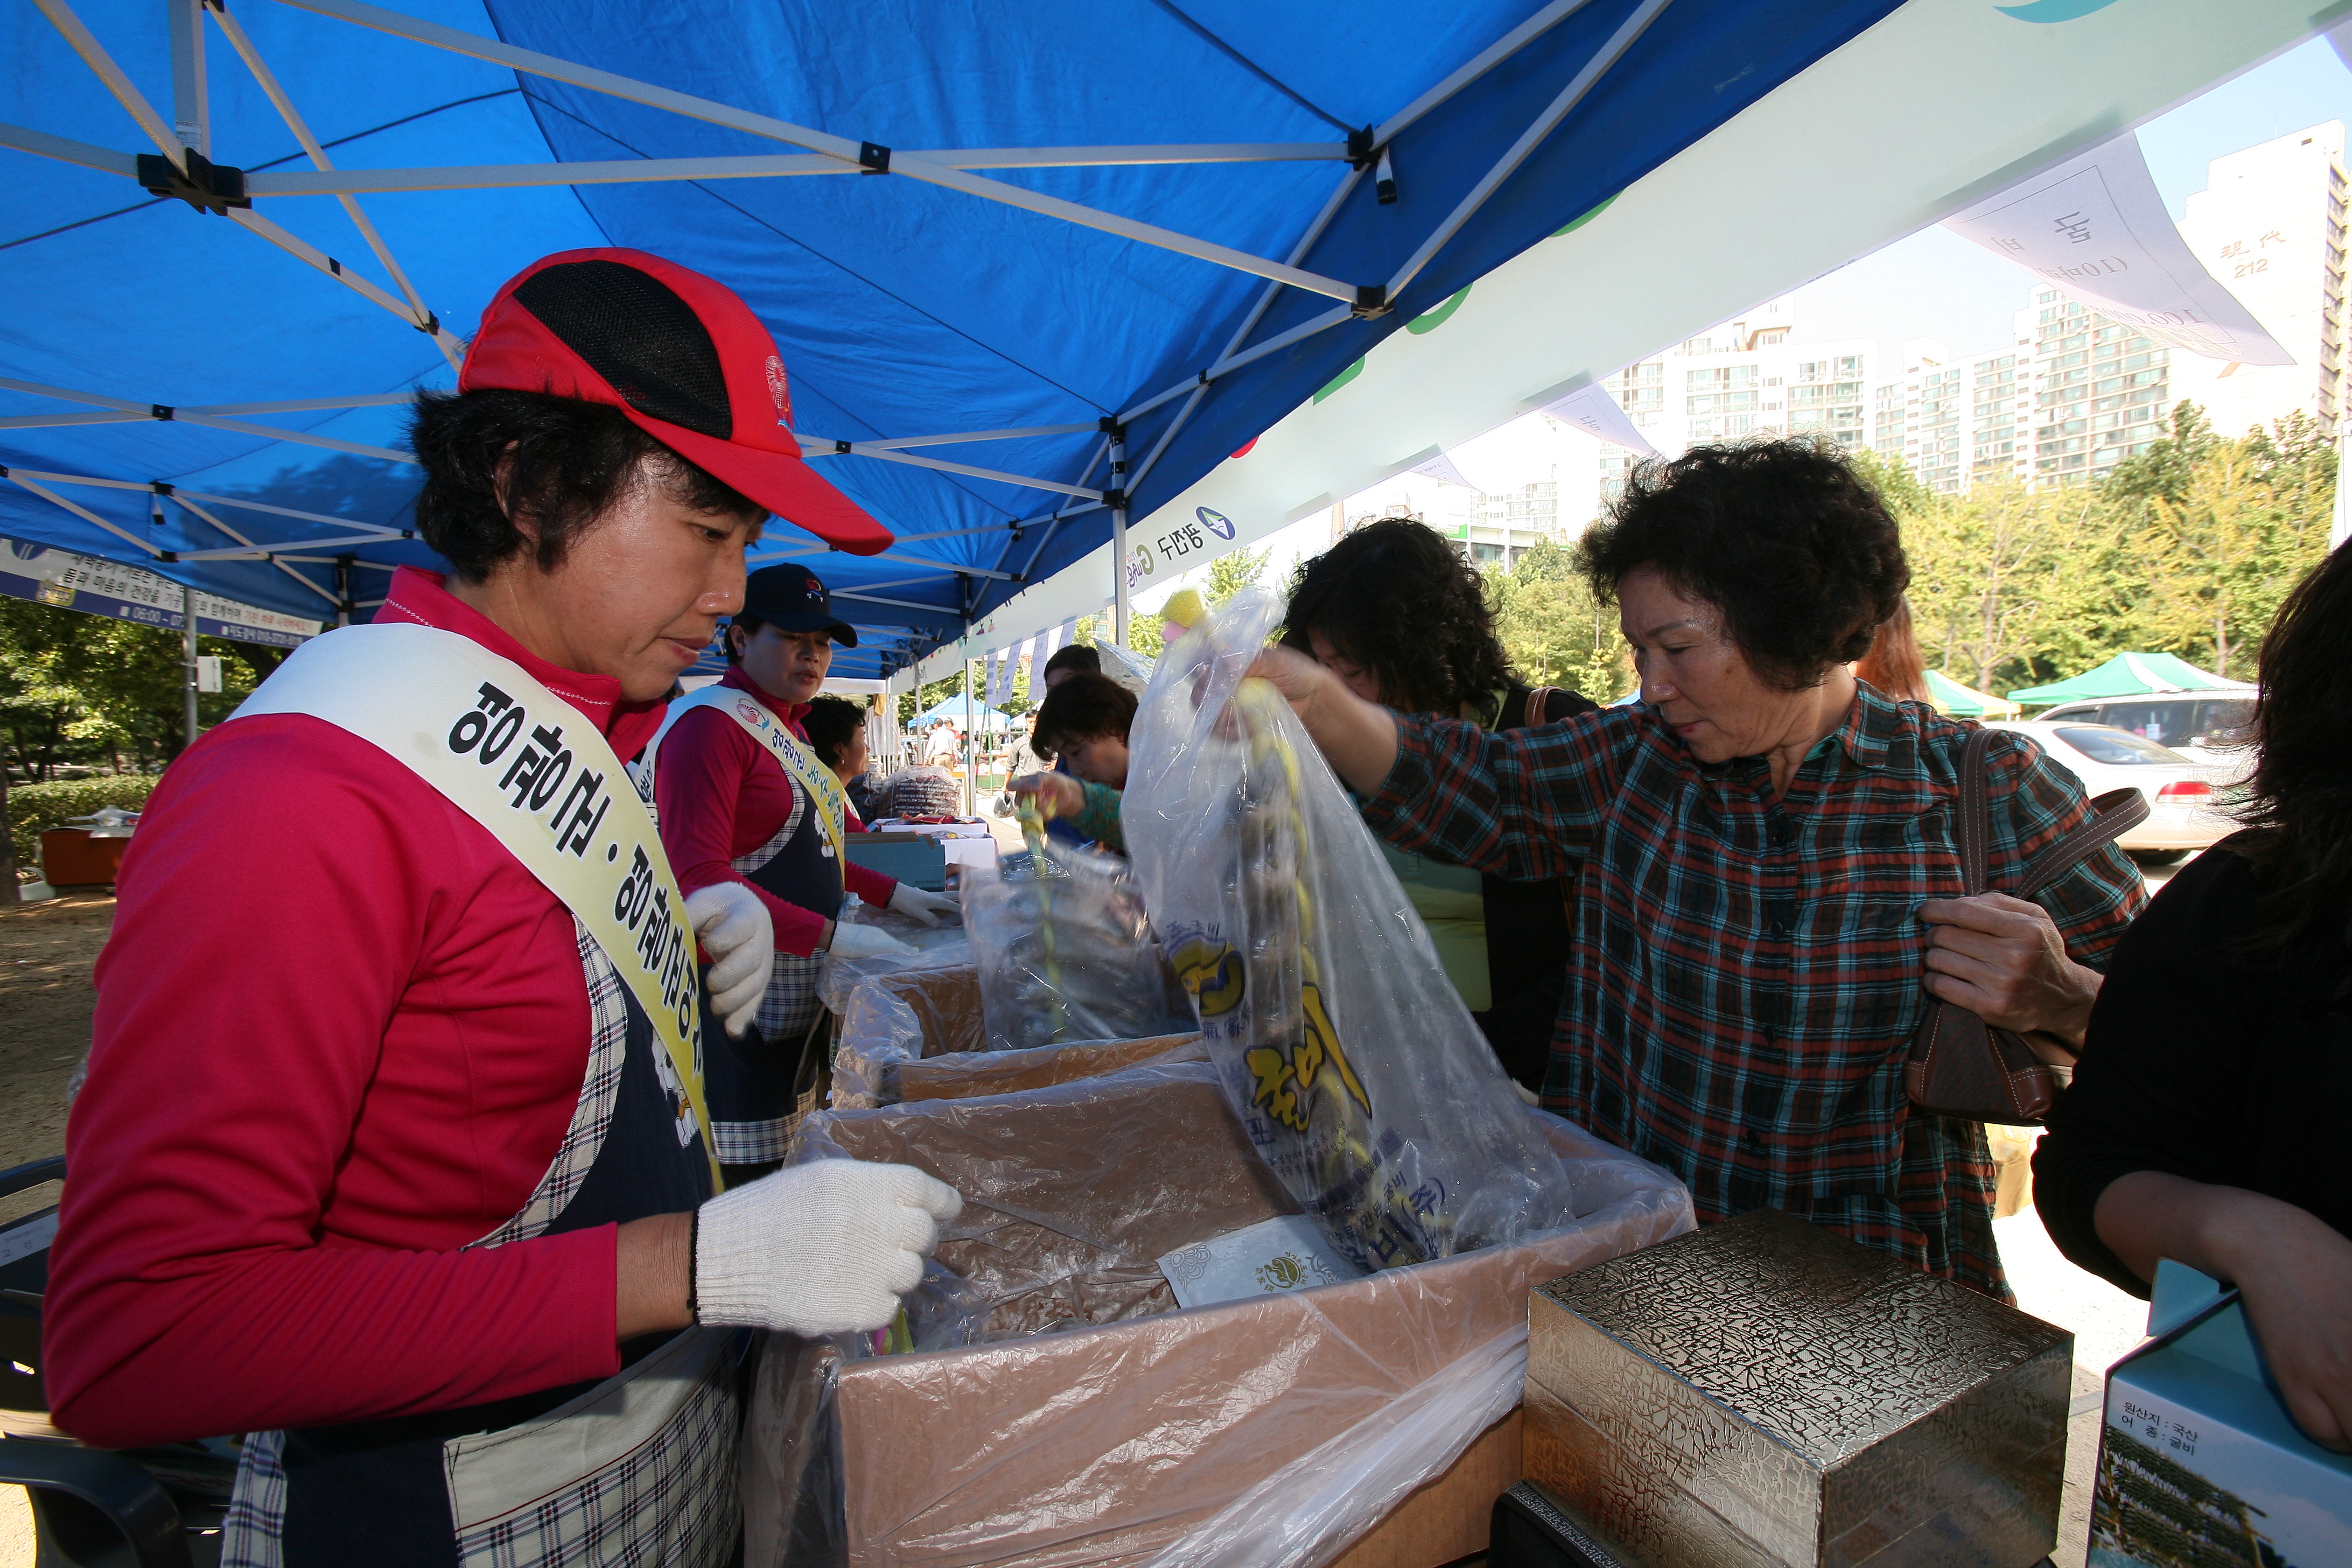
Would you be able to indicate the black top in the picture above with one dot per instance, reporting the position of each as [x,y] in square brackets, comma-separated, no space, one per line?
[2204,1063]
[1529,918]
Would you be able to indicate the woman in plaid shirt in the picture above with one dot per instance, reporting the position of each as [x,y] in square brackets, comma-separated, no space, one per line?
[1766,877]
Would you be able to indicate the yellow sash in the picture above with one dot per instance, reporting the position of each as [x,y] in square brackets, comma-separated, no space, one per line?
[818,784]
[531,769]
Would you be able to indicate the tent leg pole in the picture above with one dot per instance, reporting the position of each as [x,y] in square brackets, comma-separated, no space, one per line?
[1118,572]
[188,658]
[970,768]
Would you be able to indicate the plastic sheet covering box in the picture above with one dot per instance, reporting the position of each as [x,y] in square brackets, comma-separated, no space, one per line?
[918,1033]
[1766,1393]
[1280,1429]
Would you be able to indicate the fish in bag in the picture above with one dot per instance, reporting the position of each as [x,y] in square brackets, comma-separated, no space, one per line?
[1351,1061]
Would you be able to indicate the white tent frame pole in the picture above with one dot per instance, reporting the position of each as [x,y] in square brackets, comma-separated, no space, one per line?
[62,18]
[127,412]
[1486,60]
[820,446]
[303,251]
[178,494]
[1249,324]
[66,150]
[190,116]
[233,30]
[902,604]
[1610,52]
[945,568]
[264,552]
[765,166]
[17,477]
[899,443]
[1053,521]
[850,153]
[288,405]
[188,506]
[1119,590]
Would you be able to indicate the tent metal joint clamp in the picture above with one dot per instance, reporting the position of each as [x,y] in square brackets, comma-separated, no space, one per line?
[873,159]
[1371,299]
[204,184]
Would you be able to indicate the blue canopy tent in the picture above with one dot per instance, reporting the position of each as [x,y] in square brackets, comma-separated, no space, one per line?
[1034,267]
[980,719]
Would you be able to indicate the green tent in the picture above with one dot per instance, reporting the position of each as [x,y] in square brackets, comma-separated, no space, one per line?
[1949,696]
[2129,675]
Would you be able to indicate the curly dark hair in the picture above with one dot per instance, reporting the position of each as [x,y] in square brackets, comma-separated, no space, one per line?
[1781,535]
[1079,710]
[830,722]
[568,462]
[2300,804]
[1397,598]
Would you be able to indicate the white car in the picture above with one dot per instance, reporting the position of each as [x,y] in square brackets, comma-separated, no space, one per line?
[2203,726]
[2184,798]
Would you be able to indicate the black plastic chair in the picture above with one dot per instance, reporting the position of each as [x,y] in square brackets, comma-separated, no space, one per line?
[150,1507]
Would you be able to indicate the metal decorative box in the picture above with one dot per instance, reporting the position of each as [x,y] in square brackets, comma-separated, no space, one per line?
[1766,1391]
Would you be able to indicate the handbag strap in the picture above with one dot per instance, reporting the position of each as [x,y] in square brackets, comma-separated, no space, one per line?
[2112,814]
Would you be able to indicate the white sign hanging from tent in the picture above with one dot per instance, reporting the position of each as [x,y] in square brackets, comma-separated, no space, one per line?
[98,587]
[1591,409]
[2095,227]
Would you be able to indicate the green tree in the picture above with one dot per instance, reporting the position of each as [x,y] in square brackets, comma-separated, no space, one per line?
[87,690]
[1231,573]
[1554,629]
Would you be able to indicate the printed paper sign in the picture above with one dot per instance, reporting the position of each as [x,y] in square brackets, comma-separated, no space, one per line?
[1273,1255]
[1591,410]
[2096,228]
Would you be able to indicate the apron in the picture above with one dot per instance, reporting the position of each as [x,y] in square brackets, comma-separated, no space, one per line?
[749,1083]
[640,1467]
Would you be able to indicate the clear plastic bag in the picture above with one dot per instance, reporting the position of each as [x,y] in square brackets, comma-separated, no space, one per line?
[1064,952]
[1349,1059]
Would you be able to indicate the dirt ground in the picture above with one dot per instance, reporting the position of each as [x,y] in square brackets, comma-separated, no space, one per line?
[45,953]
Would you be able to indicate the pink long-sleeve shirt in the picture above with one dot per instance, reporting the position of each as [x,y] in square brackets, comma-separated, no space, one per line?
[721,795]
[340,1035]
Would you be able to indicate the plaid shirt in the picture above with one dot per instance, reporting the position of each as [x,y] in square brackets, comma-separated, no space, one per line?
[1747,973]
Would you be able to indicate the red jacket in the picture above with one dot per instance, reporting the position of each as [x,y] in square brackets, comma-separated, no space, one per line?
[340,1033]
[721,794]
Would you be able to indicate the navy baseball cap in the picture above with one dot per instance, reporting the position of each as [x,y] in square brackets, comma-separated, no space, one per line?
[789,598]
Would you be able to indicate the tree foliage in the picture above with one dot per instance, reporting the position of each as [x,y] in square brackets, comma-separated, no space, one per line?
[1553,629]
[2187,549]
[89,691]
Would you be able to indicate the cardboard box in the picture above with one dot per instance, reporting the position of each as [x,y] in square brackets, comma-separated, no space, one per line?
[1766,1393]
[1099,1447]
[918,1034]
[2199,1463]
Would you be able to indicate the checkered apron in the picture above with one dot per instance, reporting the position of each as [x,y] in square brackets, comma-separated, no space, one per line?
[749,1081]
[638,1471]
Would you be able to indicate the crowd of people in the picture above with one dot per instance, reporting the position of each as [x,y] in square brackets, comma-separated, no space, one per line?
[443,1155]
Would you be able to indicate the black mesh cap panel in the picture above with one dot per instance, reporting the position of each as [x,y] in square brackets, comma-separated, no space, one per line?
[636,333]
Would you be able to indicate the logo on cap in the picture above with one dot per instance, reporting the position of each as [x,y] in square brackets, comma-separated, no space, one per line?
[779,391]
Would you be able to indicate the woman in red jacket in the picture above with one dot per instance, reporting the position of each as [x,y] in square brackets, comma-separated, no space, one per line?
[403,1171]
[745,802]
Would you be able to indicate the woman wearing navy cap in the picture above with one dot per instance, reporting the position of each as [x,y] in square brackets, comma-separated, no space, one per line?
[404,1174]
[745,801]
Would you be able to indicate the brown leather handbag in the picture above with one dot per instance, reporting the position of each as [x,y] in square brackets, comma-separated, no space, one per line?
[1961,1065]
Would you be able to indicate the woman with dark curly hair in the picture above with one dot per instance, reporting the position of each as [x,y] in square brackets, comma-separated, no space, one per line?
[1399,616]
[1766,879]
[2206,1120]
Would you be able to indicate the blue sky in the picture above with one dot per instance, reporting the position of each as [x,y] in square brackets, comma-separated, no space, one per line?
[1936,285]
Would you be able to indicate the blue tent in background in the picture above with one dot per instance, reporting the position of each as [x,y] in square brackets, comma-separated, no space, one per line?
[984,720]
[1033,266]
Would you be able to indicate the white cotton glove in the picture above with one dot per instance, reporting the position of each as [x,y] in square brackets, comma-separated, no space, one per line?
[735,929]
[908,899]
[827,1247]
[866,941]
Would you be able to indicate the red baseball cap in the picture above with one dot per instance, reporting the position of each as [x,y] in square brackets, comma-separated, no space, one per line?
[682,357]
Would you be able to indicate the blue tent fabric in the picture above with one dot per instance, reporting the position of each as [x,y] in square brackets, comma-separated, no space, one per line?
[901,309]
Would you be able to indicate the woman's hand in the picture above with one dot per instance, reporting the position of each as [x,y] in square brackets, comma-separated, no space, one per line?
[1358,739]
[2003,960]
[1058,795]
[2295,1269]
